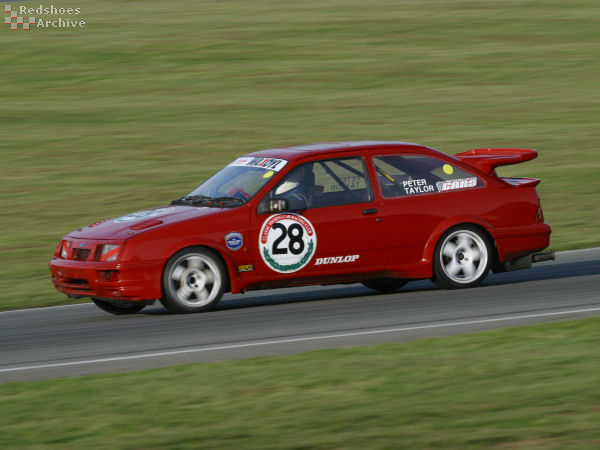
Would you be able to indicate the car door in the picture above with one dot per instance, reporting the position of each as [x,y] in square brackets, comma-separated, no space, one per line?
[332,225]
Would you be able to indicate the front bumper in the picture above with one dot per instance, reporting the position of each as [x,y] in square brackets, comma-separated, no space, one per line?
[106,280]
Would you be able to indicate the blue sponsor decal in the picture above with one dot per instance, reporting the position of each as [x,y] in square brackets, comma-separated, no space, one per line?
[234,241]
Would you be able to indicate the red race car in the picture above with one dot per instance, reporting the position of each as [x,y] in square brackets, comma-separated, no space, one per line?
[379,213]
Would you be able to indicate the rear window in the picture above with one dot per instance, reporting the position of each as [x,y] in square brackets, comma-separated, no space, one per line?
[406,175]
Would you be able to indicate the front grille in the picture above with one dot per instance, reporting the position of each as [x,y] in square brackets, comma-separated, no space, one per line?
[81,254]
[76,284]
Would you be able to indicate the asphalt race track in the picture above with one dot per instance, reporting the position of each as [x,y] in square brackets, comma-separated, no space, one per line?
[81,339]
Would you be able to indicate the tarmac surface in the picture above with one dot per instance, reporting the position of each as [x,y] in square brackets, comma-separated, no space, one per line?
[81,339]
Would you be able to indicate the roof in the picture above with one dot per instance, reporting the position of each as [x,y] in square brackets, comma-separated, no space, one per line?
[297,151]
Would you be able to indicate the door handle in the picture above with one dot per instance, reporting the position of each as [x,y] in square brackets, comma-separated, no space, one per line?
[369,211]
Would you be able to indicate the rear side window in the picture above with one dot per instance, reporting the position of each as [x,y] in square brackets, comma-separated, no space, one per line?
[406,175]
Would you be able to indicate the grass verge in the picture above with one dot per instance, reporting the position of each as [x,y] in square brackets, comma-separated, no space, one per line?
[151,97]
[525,387]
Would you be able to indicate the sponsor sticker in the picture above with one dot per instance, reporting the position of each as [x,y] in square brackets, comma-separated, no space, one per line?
[460,183]
[142,215]
[448,169]
[234,241]
[287,242]
[271,164]
[418,186]
[336,259]
[246,268]
[353,182]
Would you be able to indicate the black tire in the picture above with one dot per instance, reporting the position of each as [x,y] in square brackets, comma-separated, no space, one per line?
[194,280]
[463,257]
[385,284]
[117,307]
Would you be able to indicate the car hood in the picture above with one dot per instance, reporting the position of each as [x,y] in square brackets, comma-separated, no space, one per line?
[132,224]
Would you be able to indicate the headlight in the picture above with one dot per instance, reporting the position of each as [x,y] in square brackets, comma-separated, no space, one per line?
[110,252]
[64,249]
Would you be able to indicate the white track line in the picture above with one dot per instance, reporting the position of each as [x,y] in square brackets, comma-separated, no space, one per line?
[12,311]
[581,250]
[292,340]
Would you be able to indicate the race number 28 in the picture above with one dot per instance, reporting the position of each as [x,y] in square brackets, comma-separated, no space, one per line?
[287,242]
[295,244]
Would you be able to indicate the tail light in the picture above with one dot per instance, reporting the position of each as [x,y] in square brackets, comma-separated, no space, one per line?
[109,252]
[539,216]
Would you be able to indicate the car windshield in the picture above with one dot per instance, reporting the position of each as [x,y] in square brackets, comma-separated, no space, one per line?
[241,179]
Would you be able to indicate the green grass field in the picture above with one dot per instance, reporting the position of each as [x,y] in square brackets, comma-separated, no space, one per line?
[529,387]
[151,97]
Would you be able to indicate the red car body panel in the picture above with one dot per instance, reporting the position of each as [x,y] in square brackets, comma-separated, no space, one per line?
[393,237]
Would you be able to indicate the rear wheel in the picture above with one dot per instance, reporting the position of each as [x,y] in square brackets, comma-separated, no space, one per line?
[462,258]
[385,284]
[193,281]
[117,307]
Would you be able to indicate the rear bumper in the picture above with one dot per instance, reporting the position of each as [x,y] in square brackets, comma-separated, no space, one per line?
[514,242]
[106,280]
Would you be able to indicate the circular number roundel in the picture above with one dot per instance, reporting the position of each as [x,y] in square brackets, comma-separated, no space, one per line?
[287,242]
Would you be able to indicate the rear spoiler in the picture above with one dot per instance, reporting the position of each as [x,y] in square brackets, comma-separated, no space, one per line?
[487,159]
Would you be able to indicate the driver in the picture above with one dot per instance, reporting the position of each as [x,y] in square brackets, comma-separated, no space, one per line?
[296,187]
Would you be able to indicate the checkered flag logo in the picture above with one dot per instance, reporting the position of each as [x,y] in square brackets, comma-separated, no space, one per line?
[14,20]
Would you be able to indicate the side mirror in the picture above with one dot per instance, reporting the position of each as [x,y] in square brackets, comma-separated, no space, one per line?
[278,205]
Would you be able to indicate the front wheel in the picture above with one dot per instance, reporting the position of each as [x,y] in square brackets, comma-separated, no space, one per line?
[193,281]
[117,307]
[462,258]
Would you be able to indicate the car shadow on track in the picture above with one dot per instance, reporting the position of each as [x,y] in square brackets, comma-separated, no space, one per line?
[295,297]
[545,272]
[283,296]
[240,301]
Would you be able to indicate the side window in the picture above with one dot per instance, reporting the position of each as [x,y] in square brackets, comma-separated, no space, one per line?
[402,175]
[323,183]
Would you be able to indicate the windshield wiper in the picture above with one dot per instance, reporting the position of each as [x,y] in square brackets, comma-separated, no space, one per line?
[227,200]
[204,200]
[191,200]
